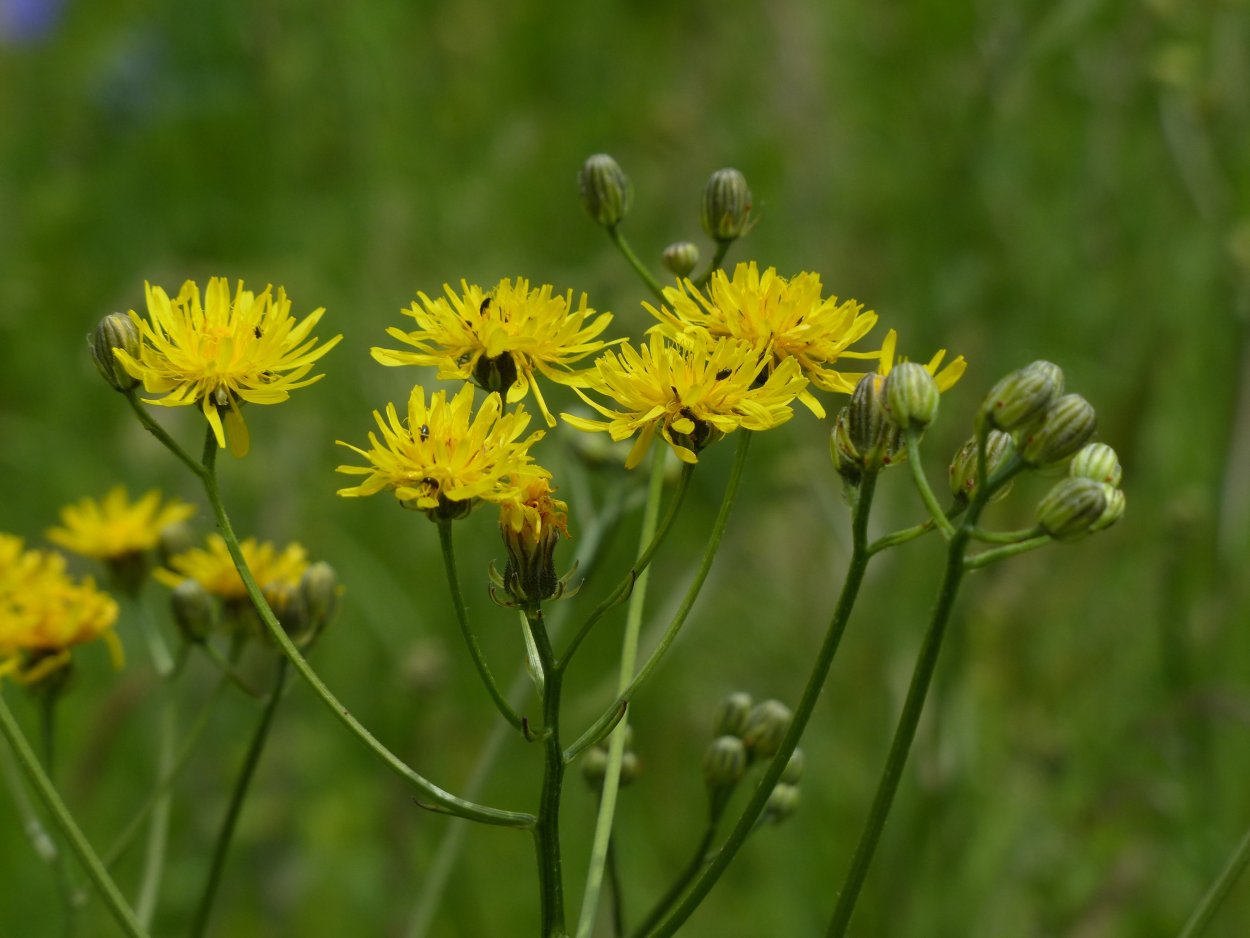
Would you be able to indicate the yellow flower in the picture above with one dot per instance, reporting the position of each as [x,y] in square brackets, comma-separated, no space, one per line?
[531,521]
[213,568]
[693,394]
[44,613]
[114,527]
[222,352]
[945,379]
[499,338]
[789,317]
[442,458]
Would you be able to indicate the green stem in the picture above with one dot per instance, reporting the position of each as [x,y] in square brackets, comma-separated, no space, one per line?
[987,557]
[922,485]
[639,267]
[616,746]
[605,721]
[616,890]
[226,666]
[1005,537]
[547,828]
[900,537]
[117,906]
[683,880]
[237,797]
[640,565]
[807,704]
[722,249]
[158,832]
[158,431]
[1219,890]
[443,801]
[470,639]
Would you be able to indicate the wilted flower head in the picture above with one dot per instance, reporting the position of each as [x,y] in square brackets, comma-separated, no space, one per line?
[442,457]
[693,393]
[223,351]
[790,318]
[499,338]
[44,613]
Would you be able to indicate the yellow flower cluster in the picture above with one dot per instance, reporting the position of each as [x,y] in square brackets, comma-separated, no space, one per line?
[115,528]
[44,613]
[213,567]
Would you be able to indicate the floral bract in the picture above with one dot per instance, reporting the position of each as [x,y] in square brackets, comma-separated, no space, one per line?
[499,338]
[223,351]
[693,393]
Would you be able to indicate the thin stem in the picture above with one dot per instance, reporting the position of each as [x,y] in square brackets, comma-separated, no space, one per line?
[639,267]
[443,801]
[158,831]
[640,565]
[616,745]
[922,485]
[1005,537]
[117,905]
[162,660]
[684,879]
[900,537]
[547,828]
[616,890]
[591,736]
[1219,890]
[802,713]
[470,639]
[987,557]
[722,248]
[237,797]
[158,431]
[226,667]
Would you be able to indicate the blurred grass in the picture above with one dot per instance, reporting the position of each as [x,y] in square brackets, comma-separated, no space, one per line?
[1012,180]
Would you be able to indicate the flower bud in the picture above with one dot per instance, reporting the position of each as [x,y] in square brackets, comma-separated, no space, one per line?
[320,589]
[1023,396]
[595,767]
[963,469]
[1065,427]
[173,539]
[731,715]
[116,330]
[1071,508]
[870,434]
[1113,512]
[911,395]
[291,608]
[726,208]
[794,767]
[194,610]
[681,257]
[531,524]
[606,190]
[631,768]
[724,763]
[766,724]
[782,802]
[1096,461]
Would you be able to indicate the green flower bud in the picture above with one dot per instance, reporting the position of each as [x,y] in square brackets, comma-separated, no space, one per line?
[194,610]
[1065,427]
[1113,512]
[681,257]
[289,605]
[731,715]
[115,330]
[724,763]
[782,802]
[794,767]
[631,768]
[726,208]
[912,396]
[870,432]
[606,190]
[595,767]
[1023,396]
[321,590]
[846,458]
[1070,509]
[1096,461]
[766,724]
[963,469]
[174,539]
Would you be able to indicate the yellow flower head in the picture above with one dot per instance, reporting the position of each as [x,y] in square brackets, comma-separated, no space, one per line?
[499,338]
[213,568]
[223,351]
[44,613]
[693,394]
[442,458]
[114,527]
[789,317]
[531,521]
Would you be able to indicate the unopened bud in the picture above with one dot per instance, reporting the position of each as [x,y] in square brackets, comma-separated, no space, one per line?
[782,802]
[870,434]
[606,190]
[912,396]
[595,767]
[681,257]
[765,727]
[1114,511]
[320,589]
[1071,508]
[726,208]
[963,469]
[194,610]
[724,763]
[289,605]
[1023,396]
[731,714]
[794,767]
[173,539]
[1065,427]
[115,330]
[1096,461]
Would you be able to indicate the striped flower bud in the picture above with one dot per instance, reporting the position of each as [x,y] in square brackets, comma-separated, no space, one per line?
[1071,508]
[1064,428]
[765,727]
[912,396]
[606,190]
[114,331]
[681,257]
[726,208]
[963,469]
[1096,461]
[1023,396]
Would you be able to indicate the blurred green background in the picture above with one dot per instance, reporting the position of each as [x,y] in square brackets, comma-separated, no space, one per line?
[1011,180]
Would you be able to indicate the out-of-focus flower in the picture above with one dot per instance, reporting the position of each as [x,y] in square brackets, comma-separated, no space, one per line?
[114,527]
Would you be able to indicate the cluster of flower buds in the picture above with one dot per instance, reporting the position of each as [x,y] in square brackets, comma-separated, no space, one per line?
[1046,425]
[745,733]
[865,438]
[595,762]
[1088,500]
